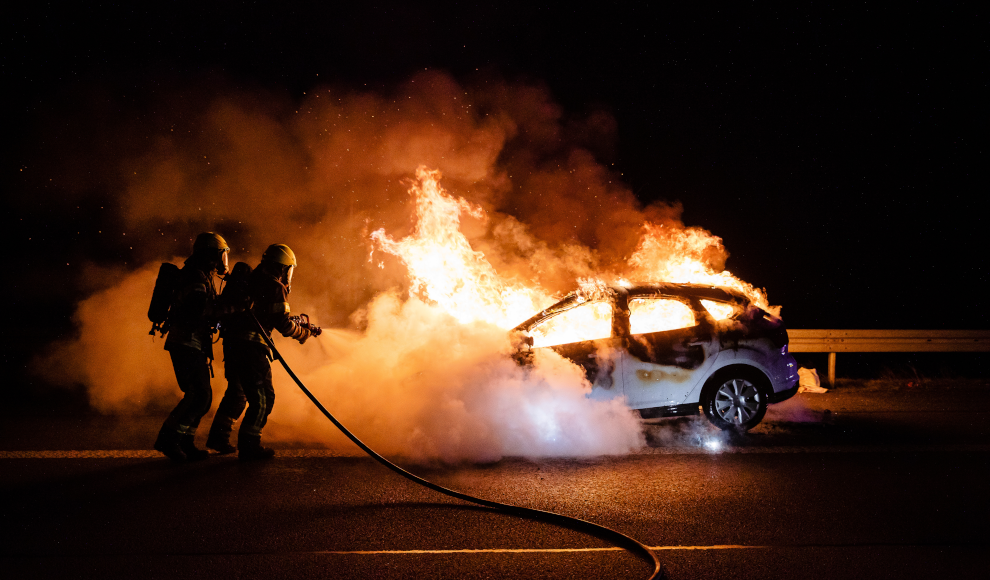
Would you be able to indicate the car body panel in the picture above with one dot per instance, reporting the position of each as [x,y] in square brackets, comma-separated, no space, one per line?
[661,368]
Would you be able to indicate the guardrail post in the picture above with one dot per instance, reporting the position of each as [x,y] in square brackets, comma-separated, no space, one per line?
[831,369]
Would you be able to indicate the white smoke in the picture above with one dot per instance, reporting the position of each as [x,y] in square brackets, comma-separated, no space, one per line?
[418,383]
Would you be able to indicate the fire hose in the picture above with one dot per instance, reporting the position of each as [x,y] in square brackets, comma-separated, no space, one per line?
[618,538]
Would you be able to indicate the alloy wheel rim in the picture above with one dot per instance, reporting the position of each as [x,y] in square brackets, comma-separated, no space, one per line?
[737,401]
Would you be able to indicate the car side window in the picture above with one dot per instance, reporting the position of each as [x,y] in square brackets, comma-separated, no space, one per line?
[659,314]
[589,321]
[719,310]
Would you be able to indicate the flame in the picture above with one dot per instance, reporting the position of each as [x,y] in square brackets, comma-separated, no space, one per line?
[445,269]
[688,256]
[650,315]
[586,322]
[718,310]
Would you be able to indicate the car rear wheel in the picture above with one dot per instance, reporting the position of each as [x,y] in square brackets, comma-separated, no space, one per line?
[735,399]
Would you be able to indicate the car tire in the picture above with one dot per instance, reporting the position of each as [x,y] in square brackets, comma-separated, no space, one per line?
[735,398]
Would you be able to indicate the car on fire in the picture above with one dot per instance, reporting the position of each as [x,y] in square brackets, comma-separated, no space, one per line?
[671,349]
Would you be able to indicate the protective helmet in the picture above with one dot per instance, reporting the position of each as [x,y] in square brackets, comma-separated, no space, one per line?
[280,254]
[209,241]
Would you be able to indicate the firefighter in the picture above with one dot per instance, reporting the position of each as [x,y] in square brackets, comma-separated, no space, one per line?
[247,358]
[190,345]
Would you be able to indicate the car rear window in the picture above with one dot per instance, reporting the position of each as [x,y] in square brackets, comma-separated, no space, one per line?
[589,321]
[658,315]
[719,310]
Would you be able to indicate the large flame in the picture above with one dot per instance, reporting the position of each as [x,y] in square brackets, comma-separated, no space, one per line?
[658,315]
[688,256]
[445,269]
[589,323]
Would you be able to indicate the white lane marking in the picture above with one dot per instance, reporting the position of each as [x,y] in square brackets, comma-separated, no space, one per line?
[528,550]
[89,454]
[321,453]
[814,449]
[144,454]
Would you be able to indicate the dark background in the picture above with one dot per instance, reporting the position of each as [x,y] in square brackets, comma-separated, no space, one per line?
[839,152]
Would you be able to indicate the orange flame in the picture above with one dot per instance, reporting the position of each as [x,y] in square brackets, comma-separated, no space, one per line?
[658,315]
[590,323]
[688,256]
[444,268]
[718,310]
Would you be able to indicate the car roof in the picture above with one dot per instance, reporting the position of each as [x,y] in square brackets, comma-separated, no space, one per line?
[701,291]
[718,293]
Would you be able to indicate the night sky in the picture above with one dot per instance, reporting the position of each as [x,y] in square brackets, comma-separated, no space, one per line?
[840,153]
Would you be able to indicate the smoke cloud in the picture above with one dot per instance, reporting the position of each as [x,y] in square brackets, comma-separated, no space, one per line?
[417,382]
[320,174]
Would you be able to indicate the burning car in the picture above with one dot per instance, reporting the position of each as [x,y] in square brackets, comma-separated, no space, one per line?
[671,349]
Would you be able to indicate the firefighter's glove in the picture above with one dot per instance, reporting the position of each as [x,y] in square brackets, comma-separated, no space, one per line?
[300,333]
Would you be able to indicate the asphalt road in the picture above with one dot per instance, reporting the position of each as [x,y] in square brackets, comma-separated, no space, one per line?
[889,483]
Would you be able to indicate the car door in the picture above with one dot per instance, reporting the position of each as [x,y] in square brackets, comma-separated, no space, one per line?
[583,335]
[669,348]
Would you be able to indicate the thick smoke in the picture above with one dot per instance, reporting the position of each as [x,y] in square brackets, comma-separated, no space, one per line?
[320,175]
[419,383]
[123,368]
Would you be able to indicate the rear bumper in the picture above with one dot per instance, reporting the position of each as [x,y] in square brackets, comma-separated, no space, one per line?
[783,395]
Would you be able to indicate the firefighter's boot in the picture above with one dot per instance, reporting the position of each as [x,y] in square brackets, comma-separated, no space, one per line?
[219,439]
[249,448]
[188,446]
[168,444]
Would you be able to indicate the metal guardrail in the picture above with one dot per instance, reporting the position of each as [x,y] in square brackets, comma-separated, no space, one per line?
[836,341]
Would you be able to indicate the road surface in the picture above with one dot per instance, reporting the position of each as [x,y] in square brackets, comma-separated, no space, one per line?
[855,483]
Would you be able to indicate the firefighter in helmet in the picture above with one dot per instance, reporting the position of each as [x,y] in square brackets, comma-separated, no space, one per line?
[247,358]
[190,345]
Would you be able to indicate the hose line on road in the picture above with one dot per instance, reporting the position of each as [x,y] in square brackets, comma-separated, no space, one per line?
[618,538]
